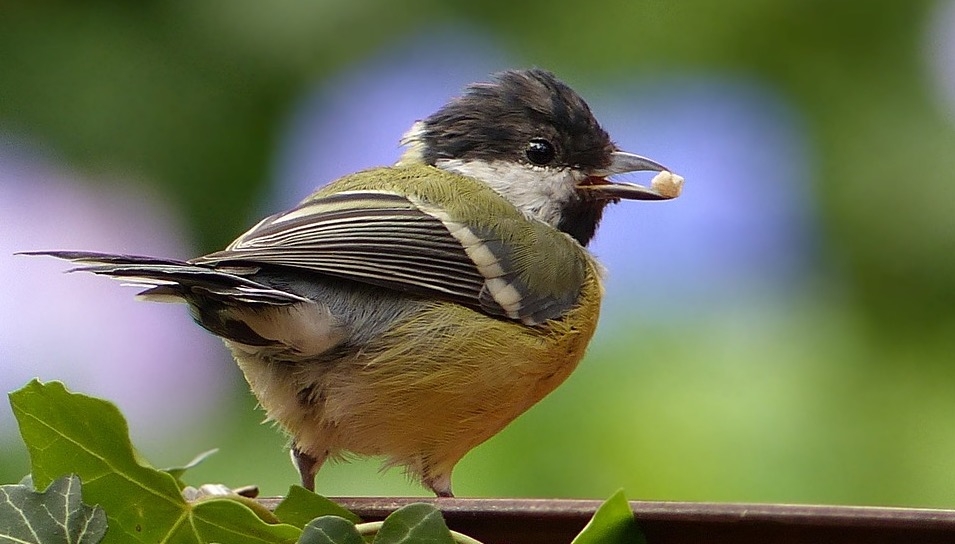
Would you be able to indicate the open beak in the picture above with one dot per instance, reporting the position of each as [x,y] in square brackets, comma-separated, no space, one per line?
[664,186]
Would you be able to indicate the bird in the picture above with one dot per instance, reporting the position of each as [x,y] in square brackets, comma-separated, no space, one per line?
[413,311]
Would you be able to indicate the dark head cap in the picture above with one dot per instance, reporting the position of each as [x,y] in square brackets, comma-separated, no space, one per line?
[533,140]
[526,116]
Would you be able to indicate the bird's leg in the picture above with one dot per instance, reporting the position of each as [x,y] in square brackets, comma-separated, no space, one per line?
[307,466]
[440,484]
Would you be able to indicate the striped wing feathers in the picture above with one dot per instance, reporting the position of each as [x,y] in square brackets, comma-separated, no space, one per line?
[397,242]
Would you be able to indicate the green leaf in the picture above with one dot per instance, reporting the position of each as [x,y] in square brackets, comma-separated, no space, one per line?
[177,472]
[330,530]
[228,520]
[72,433]
[613,523]
[54,516]
[301,506]
[417,522]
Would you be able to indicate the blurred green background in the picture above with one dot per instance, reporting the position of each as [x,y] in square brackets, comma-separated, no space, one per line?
[842,390]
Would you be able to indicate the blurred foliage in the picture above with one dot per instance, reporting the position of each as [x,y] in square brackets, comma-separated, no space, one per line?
[845,398]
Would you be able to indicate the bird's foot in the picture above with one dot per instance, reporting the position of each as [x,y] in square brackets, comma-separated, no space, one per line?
[307,466]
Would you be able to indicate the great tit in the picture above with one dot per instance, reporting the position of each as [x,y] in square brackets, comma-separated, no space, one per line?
[413,311]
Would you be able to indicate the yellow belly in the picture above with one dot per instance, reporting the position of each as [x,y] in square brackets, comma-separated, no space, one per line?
[431,389]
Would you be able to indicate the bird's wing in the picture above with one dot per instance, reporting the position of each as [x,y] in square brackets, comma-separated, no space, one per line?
[404,243]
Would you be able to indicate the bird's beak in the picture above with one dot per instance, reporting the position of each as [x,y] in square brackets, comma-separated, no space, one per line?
[664,186]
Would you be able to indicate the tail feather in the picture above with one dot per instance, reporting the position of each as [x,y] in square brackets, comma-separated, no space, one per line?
[167,279]
[103,258]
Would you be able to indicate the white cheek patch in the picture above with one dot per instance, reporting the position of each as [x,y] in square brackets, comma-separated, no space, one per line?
[413,141]
[539,192]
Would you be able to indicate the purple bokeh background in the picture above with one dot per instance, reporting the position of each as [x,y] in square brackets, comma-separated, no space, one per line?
[150,359]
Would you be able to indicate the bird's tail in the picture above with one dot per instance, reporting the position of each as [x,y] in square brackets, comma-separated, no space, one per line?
[169,280]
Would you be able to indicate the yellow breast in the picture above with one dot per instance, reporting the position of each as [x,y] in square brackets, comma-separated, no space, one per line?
[430,389]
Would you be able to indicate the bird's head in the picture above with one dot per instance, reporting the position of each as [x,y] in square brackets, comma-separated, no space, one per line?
[535,141]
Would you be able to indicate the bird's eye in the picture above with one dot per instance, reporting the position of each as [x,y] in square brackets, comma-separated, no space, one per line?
[540,151]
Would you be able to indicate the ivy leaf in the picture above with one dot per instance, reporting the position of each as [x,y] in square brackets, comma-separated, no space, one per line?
[53,516]
[177,472]
[301,506]
[417,522]
[330,530]
[613,523]
[72,433]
